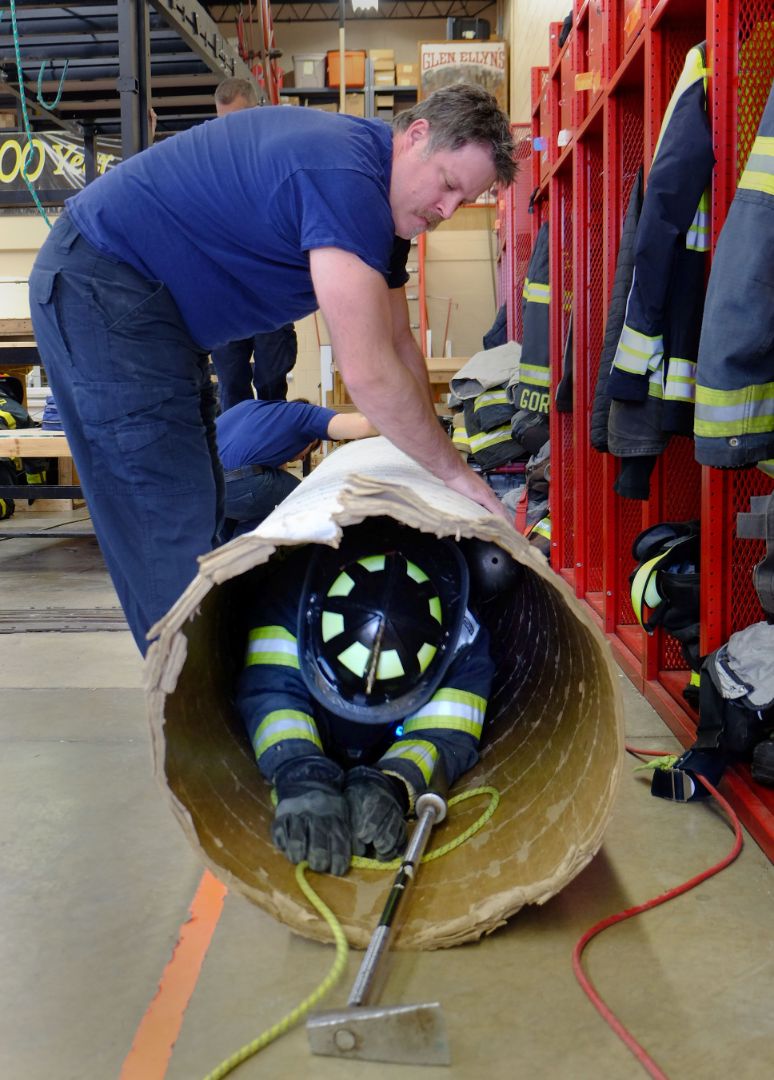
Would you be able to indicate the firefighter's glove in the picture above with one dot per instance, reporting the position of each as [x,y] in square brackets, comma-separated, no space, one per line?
[311,820]
[377,812]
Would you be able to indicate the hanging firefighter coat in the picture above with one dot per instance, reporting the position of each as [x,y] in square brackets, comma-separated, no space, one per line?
[529,390]
[734,423]
[656,353]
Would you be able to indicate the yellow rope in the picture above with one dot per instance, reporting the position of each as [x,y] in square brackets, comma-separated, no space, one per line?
[342,948]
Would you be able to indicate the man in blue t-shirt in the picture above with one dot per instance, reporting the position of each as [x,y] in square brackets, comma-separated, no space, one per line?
[275,352]
[236,227]
[255,438]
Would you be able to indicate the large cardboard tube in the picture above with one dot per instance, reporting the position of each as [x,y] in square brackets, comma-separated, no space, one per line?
[553,745]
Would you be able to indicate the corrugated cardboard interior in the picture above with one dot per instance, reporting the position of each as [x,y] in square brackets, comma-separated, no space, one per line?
[553,745]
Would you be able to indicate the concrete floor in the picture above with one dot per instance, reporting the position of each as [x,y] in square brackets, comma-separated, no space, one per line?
[97,880]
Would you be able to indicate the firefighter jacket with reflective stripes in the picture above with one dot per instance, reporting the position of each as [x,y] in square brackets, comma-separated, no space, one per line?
[284,721]
[734,422]
[657,349]
[531,391]
[616,313]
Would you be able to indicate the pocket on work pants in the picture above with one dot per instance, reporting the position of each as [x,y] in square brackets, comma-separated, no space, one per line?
[144,437]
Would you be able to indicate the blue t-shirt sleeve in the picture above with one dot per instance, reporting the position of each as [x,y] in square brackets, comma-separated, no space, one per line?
[310,422]
[339,208]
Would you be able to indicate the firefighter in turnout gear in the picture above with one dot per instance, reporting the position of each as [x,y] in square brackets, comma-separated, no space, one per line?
[365,669]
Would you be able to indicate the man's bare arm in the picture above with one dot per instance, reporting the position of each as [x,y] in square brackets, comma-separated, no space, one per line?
[350,426]
[355,303]
[405,343]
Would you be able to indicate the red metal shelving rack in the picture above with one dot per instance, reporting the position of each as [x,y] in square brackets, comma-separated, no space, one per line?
[596,115]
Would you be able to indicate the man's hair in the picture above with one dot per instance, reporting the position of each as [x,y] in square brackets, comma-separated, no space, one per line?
[462,114]
[229,89]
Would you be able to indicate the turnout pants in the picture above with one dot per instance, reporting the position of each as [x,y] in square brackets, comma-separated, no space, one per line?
[138,408]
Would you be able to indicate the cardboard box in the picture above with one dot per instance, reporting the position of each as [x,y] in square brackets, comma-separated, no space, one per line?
[385,101]
[354,61]
[406,74]
[383,65]
[309,69]
[355,104]
[384,78]
[379,55]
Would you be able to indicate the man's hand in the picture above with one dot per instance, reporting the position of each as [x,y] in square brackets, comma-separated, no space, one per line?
[377,812]
[311,820]
[470,484]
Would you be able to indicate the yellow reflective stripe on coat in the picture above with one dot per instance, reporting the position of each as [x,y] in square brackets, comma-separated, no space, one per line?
[534,374]
[9,418]
[485,439]
[272,645]
[490,397]
[638,353]
[693,70]
[656,384]
[284,724]
[460,438]
[746,411]
[698,236]
[536,292]
[452,710]
[758,173]
[418,751]
[680,380]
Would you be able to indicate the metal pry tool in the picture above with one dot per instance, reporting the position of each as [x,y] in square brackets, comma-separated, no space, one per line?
[402,1034]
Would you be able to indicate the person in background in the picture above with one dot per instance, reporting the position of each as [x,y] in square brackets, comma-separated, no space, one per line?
[256,438]
[366,678]
[275,353]
[282,211]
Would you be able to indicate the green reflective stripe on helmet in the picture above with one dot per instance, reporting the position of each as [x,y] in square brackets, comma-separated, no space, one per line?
[372,562]
[425,656]
[415,573]
[271,645]
[342,586]
[638,353]
[389,666]
[453,710]
[284,724]
[536,292]
[535,374]
[418,751]
[490,438]
[331,625]
[644,591]
[355,658]
[434,603]
[490,397]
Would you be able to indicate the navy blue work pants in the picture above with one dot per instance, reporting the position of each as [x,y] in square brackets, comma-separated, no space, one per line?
[250,499]
[274,356]
[138,408]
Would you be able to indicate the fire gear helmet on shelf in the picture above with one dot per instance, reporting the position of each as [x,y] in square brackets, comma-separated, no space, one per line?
[380,619]
[666,581]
